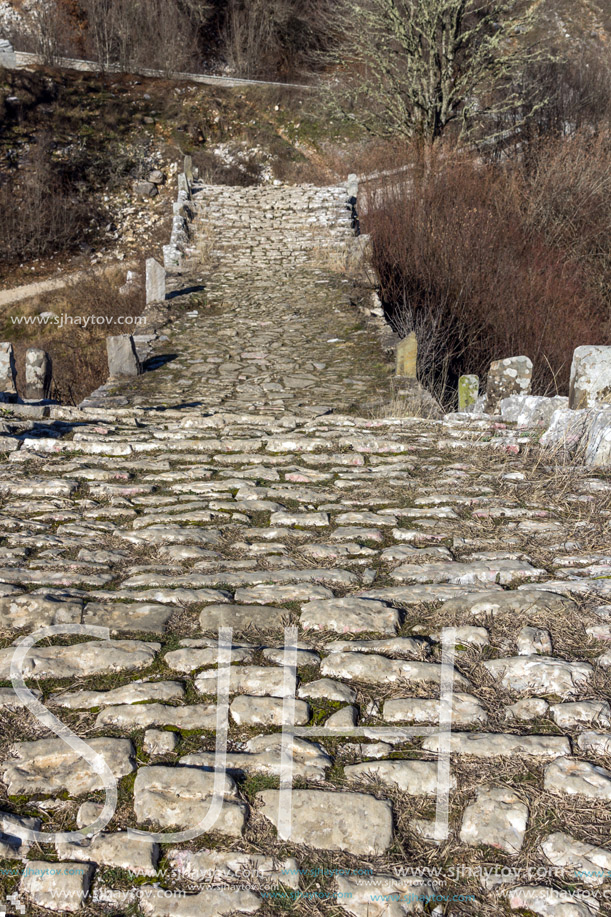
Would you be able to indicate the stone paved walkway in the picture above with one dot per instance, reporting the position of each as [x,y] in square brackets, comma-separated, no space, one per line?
[246,483]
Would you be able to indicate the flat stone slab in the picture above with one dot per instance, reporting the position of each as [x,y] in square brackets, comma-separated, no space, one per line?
[33,611]
[540,674]
[213,902]
[398,647]
[382,895]
[134,693]
[466,710]
[350,615]
[587,863]
[243,617]
[327,689]
[378,670]
[499,602]
[256,680]
[417,778]
[128,716]
[353,822]
[497,818]
[82,659]
[51,766]
[217,867]
[548,902]
[262,755]
[56,886]
[115,850]
[577,778]
[267,711]
[496,745]
[128,617]
[180,797]
[192,658]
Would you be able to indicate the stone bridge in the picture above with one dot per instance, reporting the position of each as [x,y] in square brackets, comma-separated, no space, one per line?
[423,606]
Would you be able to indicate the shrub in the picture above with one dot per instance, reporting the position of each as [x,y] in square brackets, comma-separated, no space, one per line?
[469,261]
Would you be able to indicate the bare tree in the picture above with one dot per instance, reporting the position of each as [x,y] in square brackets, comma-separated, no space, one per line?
[424,65]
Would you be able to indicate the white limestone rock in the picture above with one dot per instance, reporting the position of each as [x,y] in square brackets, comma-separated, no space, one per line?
[56,886]
[540,674]
[350,615]
[583,862]
[590,382]
[577,778]
[181,797]
[51,766]
[354,822]
[417,778]
[496,818]
[531,410]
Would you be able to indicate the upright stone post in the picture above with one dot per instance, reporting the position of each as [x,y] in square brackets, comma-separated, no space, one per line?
[8,58]
[407,357]
[123,359]
[511,376]
[8,374]
[188,169]
[468,391]
[38,370]
[155,281]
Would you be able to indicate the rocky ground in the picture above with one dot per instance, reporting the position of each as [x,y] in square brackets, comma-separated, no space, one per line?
[247,482]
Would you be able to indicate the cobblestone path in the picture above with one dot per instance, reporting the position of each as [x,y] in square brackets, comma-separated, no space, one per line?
[245,483]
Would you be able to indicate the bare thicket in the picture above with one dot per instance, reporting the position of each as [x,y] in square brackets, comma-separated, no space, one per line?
[274,37]
[487,260]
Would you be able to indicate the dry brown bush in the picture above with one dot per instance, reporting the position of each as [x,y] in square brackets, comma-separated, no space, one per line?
[481,268]
[78,352]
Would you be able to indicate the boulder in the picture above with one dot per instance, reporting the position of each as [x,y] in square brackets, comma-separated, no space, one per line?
[531,410]
[590,382]
[145,189]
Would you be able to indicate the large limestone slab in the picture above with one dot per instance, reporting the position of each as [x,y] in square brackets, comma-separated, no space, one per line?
[243,617]
[540,674]
[350,615]
[212,902]
[509,602]
[138,855]
[82,659]
[180,797]
[466,710]
[51,766]
[577,778]
[257,680]
[262,755]
[497,818]
[587,863]
[494,745]
[590,382]
[383,895]
[33,611]
[379,670]
[128,716]
[128,617]
[217,867]
[417,778]
[56,886]
[353,822]
[135,693]
[123,359]
[267,711]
